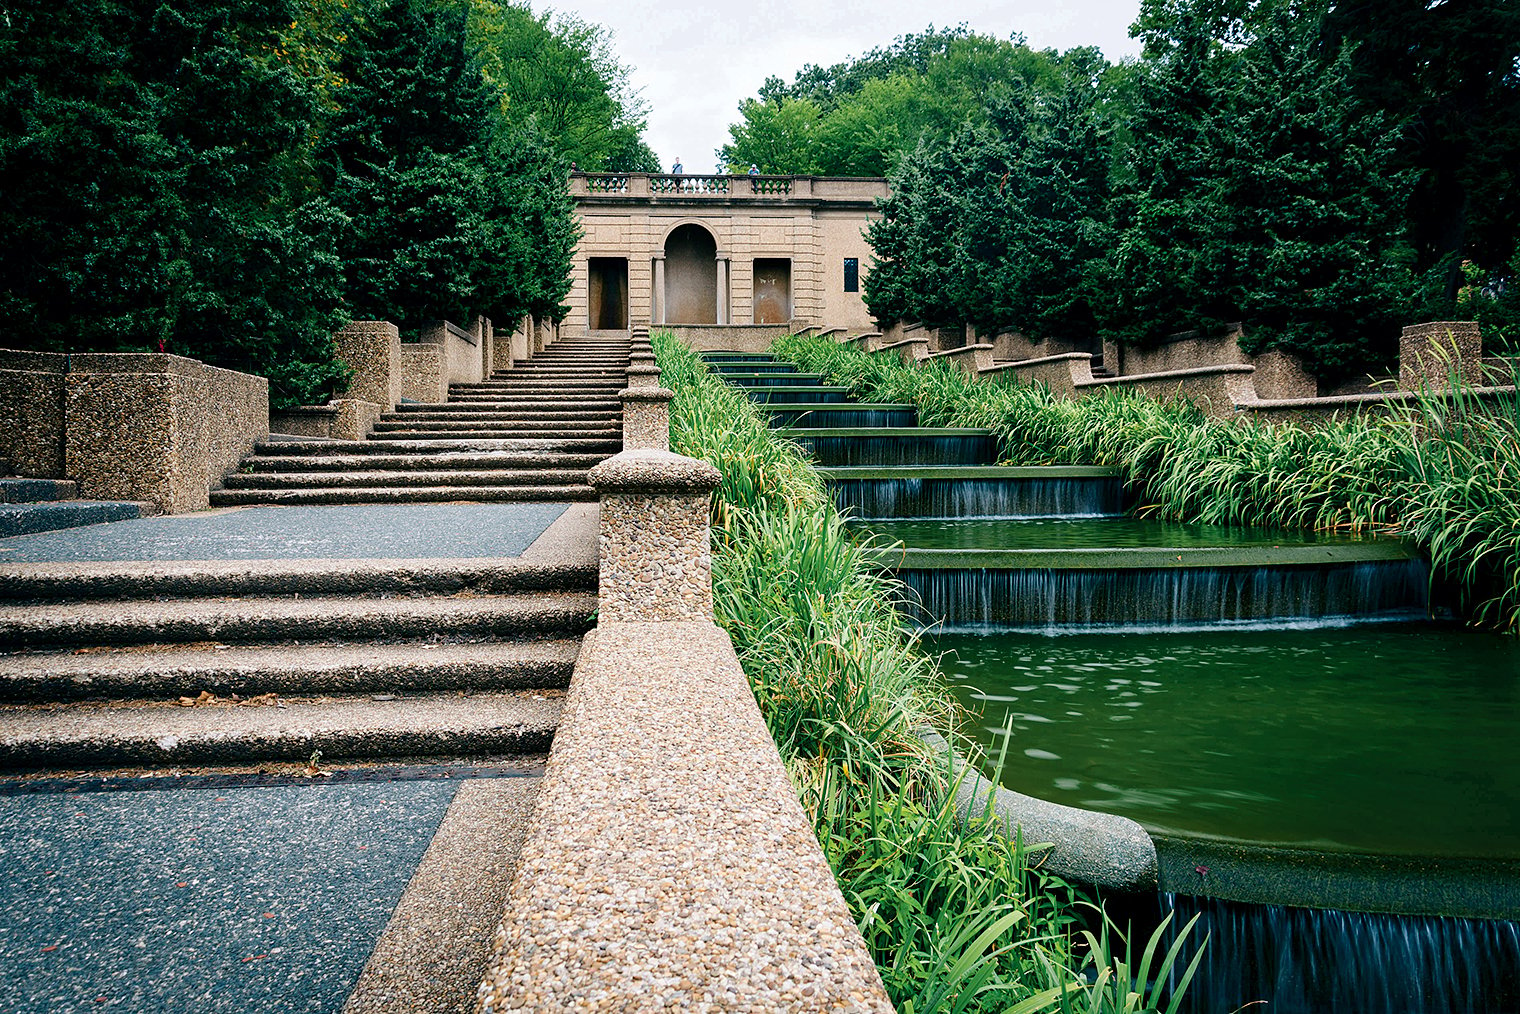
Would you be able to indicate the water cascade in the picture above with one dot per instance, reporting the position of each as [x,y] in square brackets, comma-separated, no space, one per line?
[1318,961]
[948,492]
[1212,684]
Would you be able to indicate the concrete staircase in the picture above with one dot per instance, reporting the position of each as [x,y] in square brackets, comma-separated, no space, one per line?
[527,434]
[257,662]
[131,664]
[28,506]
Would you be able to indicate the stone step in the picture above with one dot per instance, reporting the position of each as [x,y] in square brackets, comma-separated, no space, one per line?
[147,579]
[271,620]
[100,735]
[17,490]
[456,424]
[501,431]
[333,495]
[505,414]
[376,457]
[608,406]
[526,387]
[355,480]
[50,516]
[364,447]
[221,670]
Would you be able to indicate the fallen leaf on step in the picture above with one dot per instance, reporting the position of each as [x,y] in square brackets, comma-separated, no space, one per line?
[270,700]
[206,697]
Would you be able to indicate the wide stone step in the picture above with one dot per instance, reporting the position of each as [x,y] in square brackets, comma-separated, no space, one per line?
[348,448]
[501,432]
[601,406]
[99,735]
[303,496]
[71,583]
[50,516]
[221,670]
[453,426]
[317,480]
[505,414]
[269,620]
[542,387]
[18,490]
[376,458]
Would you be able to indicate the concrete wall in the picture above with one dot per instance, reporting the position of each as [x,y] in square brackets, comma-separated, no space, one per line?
[422,373]
[733,338]
[158,428]
[461,354]
[371,348]
[32,412]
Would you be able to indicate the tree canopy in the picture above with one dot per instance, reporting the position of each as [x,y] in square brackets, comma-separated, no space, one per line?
[232,180]
[1321,171]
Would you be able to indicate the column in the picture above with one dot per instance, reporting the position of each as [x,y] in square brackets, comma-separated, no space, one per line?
[658,302]
[722,289]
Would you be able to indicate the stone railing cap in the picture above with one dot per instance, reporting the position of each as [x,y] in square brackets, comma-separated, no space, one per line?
[646,394]
[651,471]
[643,368]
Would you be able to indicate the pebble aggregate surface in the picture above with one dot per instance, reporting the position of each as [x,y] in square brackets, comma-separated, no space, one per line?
[228,899]
[669,864]
[343,532]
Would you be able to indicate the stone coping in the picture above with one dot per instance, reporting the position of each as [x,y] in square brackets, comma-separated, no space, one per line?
[847,472]
[1196,371]
[653,471]
[1267,874]
[962,351]
[1148,557]
[651,394]
[904,343]
[1370,398]
[1019,364]
[669,863]
[1099,849]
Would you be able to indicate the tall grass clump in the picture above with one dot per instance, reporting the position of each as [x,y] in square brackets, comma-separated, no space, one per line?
[1440,470]
[954,915]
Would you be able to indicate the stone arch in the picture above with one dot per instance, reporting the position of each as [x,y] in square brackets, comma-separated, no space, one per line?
[691,275]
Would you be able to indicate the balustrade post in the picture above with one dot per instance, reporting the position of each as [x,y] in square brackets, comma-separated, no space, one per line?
[656,552]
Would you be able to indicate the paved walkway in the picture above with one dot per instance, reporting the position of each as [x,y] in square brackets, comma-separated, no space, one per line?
[346,532]
[269,890]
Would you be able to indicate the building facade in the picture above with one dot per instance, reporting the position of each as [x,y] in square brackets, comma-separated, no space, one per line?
[720,250]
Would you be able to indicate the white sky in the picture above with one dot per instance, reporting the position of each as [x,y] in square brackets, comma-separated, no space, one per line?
[696,61]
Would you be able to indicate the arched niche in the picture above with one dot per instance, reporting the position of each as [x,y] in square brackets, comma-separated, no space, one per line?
[691,276]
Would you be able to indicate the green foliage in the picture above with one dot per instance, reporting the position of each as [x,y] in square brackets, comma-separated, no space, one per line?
[560,74]
[951,910]
[158,186]
[232,181]
[858,117]
[1443,473]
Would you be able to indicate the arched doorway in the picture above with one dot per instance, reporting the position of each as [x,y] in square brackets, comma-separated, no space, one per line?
[691,276]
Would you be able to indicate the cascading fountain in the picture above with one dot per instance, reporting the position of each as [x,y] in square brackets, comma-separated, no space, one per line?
[1327,776]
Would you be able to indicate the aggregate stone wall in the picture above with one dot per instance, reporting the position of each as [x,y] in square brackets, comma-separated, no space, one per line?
[422,376]
[372,348]
[1430,355]
[675,569]
[158,428]
[31,412]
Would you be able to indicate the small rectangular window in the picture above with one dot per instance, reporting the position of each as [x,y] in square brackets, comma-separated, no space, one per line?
[851,274]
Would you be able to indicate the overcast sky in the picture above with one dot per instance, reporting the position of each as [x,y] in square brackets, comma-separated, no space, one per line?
[695,62]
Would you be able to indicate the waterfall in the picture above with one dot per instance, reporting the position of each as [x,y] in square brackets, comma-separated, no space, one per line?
[927,448]
[936,499]
[1060,601]
[1316,961]
[862,416]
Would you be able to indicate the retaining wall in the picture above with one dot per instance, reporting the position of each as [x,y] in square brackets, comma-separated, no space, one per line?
[158,428]
[32,412]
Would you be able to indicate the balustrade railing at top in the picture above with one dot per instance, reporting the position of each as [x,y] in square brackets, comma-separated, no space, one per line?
[669,183]
[604,183]
[688,184]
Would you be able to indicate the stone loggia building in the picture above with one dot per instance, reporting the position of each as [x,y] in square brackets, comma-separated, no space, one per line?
[726,254]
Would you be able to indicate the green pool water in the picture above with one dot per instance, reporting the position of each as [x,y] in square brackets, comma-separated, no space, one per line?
[1079,533]
[1385,739]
